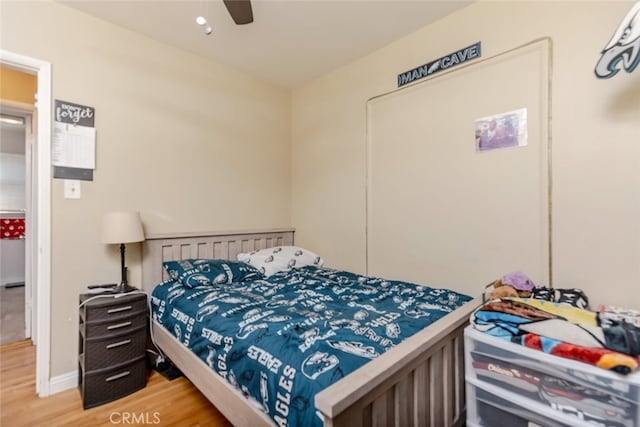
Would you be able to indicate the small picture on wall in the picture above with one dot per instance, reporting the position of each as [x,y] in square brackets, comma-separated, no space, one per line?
[502,130]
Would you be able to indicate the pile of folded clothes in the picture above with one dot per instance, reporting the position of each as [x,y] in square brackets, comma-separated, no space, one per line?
[557,322]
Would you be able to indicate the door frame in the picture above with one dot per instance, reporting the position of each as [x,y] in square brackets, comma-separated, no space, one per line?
[40,266]
[30,315]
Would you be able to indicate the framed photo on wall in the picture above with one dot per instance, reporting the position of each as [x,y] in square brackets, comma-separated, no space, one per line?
[502,130]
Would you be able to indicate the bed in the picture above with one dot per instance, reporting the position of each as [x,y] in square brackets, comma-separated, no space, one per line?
[417,382]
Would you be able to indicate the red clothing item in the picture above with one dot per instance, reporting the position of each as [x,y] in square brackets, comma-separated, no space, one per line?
[11,228]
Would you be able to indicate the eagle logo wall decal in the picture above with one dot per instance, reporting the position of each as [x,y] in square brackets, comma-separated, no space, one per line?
[624,47]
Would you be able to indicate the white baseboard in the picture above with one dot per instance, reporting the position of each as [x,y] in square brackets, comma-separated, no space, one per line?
[63,382]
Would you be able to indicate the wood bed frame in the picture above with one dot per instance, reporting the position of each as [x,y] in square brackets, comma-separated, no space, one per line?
[419,382]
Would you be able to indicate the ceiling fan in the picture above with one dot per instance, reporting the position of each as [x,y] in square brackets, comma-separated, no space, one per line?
[240,11]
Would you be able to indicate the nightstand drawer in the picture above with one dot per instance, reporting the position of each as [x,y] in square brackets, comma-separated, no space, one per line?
[113,326]
[104,386]
[105,352]
[114,308]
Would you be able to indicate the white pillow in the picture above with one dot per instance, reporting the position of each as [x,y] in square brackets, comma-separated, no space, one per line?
[280,258]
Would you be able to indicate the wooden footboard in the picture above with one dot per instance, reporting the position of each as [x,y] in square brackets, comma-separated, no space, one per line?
[418,383]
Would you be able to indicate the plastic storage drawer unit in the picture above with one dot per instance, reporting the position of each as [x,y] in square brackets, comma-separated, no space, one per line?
[112,346]
[575,392]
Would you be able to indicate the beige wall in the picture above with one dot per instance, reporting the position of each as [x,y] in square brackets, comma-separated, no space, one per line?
[190,144]
[595,133]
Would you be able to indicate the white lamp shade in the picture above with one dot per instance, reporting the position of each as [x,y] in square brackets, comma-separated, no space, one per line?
[122,227]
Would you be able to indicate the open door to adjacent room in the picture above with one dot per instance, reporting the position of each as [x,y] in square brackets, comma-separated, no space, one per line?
[17,99]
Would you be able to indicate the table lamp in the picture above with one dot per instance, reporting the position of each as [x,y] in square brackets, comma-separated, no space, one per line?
[121,228]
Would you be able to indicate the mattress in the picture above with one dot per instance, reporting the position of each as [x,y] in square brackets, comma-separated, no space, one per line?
[283,339]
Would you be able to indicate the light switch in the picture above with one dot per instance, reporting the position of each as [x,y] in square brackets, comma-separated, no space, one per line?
[71,189]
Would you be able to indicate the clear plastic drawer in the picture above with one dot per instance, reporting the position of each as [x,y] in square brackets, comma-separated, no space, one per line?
[566,387]
[493,407]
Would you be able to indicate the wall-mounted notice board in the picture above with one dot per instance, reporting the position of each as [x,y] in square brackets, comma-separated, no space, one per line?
[73,153]
[439,210]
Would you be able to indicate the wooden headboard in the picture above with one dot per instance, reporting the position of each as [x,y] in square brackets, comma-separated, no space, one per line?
[221,245]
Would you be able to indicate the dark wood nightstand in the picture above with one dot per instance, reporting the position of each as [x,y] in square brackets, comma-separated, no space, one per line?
[112,342]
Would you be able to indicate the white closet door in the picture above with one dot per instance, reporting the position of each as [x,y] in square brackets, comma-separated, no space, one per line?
[441,213]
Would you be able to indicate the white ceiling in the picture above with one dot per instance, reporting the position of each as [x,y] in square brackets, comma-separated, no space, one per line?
[290,42]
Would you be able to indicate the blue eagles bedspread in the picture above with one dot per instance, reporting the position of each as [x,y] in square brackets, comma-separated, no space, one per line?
[284,339]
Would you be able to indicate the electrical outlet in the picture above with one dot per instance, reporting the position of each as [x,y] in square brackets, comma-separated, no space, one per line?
[71,189]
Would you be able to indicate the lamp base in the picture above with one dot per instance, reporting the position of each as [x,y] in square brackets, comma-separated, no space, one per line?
[123,288]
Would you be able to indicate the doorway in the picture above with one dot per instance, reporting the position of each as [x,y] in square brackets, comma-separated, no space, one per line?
[38,240]
[15,191]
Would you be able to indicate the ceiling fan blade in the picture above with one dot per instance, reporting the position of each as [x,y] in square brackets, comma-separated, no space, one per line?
[240,11]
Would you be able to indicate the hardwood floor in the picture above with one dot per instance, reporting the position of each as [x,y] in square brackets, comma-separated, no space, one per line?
[160,403]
